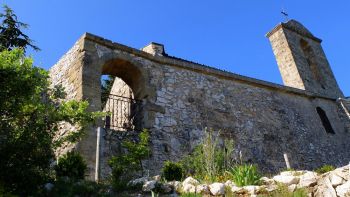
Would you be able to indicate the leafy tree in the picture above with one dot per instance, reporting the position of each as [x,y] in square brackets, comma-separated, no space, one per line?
[106,87]
[11,35]
[30,112]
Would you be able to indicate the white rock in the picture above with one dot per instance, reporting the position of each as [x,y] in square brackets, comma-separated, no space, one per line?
[292,187]
[217,189]
[229,183]
[250,188]
[287,180]
[149,185]
[343,190]
[176,185]
[267,181]
[202,189]
[190,180]
[335,179]
[238,190]
[189,188]
[156,178]
[308,179]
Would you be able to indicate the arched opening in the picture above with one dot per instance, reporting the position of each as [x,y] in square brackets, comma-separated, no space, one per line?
[325,121]
[311,60]
[122,93]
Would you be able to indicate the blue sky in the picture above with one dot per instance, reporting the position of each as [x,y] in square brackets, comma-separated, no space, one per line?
[225,34]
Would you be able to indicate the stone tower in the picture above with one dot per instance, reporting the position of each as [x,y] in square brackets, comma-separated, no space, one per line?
[301,60]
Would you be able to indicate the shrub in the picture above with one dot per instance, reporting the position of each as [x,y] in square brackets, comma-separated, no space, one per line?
[64,187]
[124,166]
[244,175]
[209,160]
[71,165]
[191,195]
[324,169]
[172,171]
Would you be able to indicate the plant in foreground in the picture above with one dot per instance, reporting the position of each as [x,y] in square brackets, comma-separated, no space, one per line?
[244,175]
[71,165]
[325,168]
[172,171]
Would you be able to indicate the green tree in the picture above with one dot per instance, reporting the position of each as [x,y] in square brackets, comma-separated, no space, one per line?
[30,112]
[106,87]
[11,35]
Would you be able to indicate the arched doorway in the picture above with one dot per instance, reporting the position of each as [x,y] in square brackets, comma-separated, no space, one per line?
[122,94]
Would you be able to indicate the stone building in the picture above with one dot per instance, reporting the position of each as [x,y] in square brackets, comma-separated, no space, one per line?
[307,118]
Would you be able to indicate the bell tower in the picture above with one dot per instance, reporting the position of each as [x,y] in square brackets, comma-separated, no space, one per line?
[301,60]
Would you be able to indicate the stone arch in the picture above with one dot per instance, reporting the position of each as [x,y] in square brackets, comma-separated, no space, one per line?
[129,73]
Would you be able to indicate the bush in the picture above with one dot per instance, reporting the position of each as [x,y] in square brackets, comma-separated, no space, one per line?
[124,166]
[324,169]
[244,175]
[209,160]
[172,171]
[71,165]
[64,187]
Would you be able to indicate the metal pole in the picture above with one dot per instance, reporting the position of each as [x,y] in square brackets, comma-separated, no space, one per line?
[286,160]
[97,166]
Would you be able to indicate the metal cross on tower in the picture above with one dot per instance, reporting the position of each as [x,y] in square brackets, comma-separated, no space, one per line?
[285,14]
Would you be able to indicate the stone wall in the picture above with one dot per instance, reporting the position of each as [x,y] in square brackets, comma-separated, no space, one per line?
[67,74]
[181,98]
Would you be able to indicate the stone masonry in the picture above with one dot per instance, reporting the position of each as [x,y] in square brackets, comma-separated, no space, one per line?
[181,98]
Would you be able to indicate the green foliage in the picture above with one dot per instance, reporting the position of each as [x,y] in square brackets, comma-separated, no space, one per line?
[30,115]
[71,165]
[69,187]
[125,165]
[325,168]
[209,161]
[106,87]
[282,191]
[172,171]
[243,175]
[11,35]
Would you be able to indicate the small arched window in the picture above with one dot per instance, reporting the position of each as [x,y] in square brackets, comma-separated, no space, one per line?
[311,60]
[325,121]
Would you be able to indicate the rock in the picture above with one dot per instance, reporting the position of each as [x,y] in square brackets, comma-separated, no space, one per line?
[250,188]
[217,189]
[335,179]
[190,180]
[287,180]
[149,185]
[189,188]
[238,190]
[229,184]
[343,190]
[292,187]
[308,179]
[324,188]
[139,181]
[176,185]
[166,188]
[157,178]
[202,189]
[48,186]
[267,181]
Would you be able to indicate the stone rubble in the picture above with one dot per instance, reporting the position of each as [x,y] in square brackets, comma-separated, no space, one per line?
[335,183]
